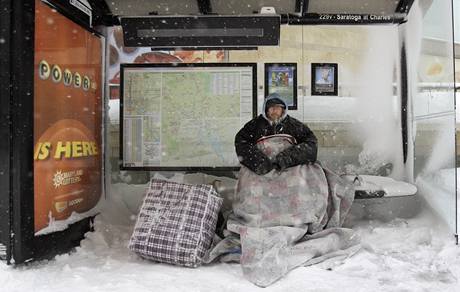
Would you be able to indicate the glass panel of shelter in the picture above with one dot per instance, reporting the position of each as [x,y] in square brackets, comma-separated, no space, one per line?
[368,59]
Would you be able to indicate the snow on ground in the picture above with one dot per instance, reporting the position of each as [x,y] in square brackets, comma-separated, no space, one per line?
[415,254]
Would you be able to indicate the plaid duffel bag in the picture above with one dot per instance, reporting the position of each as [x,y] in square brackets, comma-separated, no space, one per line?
[176,223]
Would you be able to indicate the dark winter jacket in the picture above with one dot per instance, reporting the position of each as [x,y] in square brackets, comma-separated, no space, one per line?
[250,156]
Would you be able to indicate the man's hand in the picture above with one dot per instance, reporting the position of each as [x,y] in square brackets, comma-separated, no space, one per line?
[265,167]
[282,161]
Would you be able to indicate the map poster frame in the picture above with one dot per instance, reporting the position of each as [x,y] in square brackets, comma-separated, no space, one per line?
[324,79]
[282,79]
[251,112]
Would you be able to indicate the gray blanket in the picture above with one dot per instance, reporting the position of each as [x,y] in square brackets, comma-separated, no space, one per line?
[287,219]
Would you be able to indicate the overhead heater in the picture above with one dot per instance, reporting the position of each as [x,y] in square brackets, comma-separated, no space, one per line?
[201,31]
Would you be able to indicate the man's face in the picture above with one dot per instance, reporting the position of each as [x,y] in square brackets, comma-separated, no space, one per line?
[275,112]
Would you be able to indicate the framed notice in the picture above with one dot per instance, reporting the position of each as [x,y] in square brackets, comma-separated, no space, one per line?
[184,116]
[281,78]
[324,79]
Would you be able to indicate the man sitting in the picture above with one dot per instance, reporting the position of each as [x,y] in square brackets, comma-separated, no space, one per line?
[275,120]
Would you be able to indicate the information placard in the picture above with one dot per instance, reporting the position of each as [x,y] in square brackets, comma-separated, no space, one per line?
[184,116]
